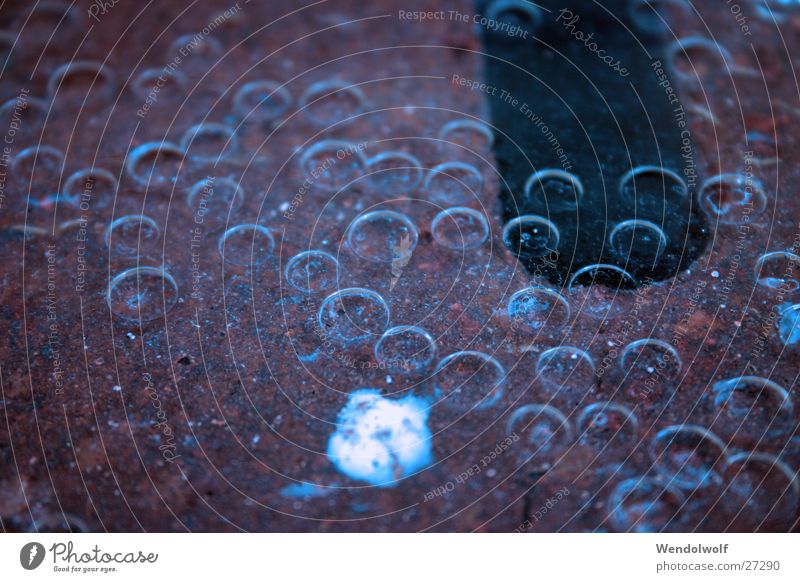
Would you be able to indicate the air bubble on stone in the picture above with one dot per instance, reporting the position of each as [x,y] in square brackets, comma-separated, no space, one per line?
[640,242]
[405,349]
[215,198]
[531,236]
[91,188]
[473,136]
[648,363]
[353,316]
[383,236]
[536,307]
[312,272]
[329,102]
[513,15]
[761,492]
[132,236]
[544,435]
[197,45]
[732,198]
[609,428]
[59,523]
[652,183]
[469,380]
[789,324]
[654,16]
[391,174]
[32,114]
[453,183]
[148,80]
[552,190]
[247,245]
[260,101]
[695,58]
[332,164]
[752,409]
[209,142]
[778,271]
[644,505]
[690,456]
[600,290]
[460,228]
[379,440]
[39,168]
[155,164]
[89,80]
[142,293]
[563,367]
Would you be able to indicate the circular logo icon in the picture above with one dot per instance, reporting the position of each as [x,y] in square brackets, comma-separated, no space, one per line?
[31,555]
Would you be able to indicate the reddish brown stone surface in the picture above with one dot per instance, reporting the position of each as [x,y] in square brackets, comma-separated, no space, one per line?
[243,415]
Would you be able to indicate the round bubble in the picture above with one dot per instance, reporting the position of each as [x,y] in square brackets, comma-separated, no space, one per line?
[142,293]
[469,380]
[353,315]
[405,349]
[460,228]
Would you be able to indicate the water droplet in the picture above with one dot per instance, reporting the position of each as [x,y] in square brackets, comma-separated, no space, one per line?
[260,101]
[601,290]
[460,228]
[688,455]
[353,315]
[732,198]
[39,168]
[650,365]
[312,272]
[209,142]
[469,380]
[332,164]
[160,81]
[544,435]
[142,293]
[405,349]
[81,81]
[247,245]
[652,184]
[215,199]
[694,58]
[565,367]
[329,102]
[513,15]
[751,409]
[779,270]
[91,188]
[155,164]
[132,236]
[531,236]
[639,242]
[644,505]
[393,173]
[536,307]
[609,428]
[383,236]
[762,493]
[553,190]
[453,183]
[467,134]
[789,325]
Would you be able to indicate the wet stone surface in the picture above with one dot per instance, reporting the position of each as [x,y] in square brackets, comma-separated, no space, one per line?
[251,282]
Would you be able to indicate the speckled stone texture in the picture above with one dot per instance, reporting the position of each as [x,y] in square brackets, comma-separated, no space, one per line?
[208,418]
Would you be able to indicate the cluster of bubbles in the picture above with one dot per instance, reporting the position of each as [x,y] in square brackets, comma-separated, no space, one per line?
[686,460]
